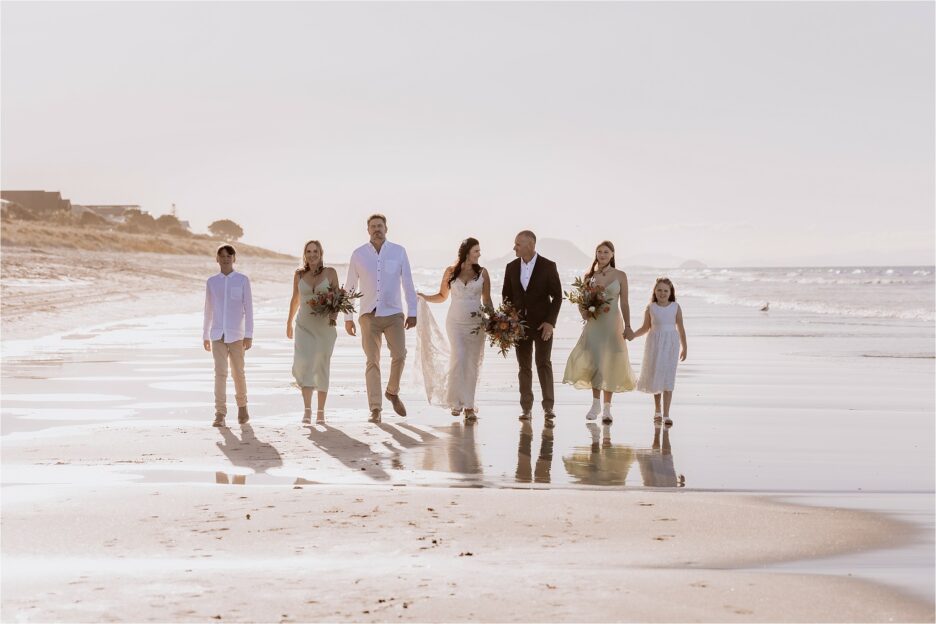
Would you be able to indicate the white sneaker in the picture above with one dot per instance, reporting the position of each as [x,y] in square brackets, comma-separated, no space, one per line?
[593,412]
[606,416]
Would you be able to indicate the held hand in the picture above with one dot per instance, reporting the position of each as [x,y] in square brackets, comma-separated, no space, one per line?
[628,333]
[683,354]
[410,322]
[248,342]
[350,328]
[546,330]
[333,317]
[207,345]
[289,330]
[421,295]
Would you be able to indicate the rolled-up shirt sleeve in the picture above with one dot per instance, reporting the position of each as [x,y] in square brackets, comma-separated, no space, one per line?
[409,289]
[248,309]
[206,329]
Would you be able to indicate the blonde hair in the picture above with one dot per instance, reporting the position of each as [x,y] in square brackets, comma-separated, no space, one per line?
[305,268]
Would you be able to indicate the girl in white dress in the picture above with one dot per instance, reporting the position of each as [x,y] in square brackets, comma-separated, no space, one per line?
[469,285]
[664,349]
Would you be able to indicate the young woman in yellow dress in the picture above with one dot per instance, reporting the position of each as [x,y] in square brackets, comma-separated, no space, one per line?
[599,360]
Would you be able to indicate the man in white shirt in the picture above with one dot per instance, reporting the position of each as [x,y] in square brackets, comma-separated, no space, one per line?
[228,331]
[382,269]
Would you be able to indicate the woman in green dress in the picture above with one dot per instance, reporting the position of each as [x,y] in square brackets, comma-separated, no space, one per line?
[314,335]
[599,360]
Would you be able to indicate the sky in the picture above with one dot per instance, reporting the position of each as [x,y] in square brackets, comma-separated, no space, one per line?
[737,133]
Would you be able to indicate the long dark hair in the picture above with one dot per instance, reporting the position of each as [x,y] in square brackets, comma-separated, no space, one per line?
[594,264]
[305,268]
[463,250]
[672,290]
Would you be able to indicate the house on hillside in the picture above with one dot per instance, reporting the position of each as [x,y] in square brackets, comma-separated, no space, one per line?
[115,213]
[40,203]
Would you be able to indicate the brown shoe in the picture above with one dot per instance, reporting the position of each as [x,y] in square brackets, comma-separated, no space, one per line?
[242,415]
[374,416]
[398,406]
[219,420]
[526,415]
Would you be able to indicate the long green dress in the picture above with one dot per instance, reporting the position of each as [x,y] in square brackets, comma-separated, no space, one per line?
[314,341]
[599,358]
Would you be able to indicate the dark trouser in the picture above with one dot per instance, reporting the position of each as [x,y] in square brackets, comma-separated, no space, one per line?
[543,370]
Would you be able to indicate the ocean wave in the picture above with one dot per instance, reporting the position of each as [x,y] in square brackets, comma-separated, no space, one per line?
[815,307]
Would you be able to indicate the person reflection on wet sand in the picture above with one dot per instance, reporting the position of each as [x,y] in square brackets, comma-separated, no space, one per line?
[248,451]
[656,463]
[602,463]
[525,472]
[463,450]
[236,479]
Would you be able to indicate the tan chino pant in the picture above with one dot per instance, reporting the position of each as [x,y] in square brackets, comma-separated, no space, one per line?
[373,330]
[223,353]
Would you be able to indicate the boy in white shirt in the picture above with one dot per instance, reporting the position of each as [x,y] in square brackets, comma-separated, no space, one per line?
[228,331]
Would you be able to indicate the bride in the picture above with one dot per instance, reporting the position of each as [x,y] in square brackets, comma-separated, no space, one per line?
[469,285]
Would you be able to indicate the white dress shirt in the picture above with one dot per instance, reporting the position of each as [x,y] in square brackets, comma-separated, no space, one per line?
[380,276]
[526,271]
[228,308]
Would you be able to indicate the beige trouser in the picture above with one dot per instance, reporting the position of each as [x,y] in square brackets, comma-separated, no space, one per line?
[373,329]
[223,353]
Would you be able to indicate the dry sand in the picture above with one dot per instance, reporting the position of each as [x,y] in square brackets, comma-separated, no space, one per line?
[379,553]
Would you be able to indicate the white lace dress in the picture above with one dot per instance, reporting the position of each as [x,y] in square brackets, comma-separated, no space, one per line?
[661,351]
[450,365]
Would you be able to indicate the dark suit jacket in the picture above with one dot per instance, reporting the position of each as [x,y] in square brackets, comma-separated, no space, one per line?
[541,300]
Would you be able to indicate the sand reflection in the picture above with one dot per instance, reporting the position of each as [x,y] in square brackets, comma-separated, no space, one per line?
[525,469]
[606,463]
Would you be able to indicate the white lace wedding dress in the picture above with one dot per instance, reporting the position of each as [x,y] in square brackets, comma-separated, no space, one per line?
[450,364]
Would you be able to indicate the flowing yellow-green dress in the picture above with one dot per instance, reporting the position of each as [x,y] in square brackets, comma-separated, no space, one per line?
[599,359]
[314,340]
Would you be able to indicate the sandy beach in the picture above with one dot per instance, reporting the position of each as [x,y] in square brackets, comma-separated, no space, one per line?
[804,445]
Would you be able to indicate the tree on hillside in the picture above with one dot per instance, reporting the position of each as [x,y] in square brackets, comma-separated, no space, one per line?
[226,229]
[171,225]
[139,221]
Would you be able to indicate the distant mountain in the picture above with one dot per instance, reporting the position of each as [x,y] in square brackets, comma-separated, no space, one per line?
[564,253]
[693,264]
[650,260]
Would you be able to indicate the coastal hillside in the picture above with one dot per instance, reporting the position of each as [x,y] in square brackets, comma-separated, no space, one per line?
[50,236]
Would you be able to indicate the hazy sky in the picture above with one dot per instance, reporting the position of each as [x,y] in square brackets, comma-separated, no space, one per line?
[734,133]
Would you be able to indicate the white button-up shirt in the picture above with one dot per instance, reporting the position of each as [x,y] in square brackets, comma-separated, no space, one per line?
[380,276]
[228,308]
[526,271]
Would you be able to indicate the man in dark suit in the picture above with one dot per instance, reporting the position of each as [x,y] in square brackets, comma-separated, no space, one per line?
[531,284]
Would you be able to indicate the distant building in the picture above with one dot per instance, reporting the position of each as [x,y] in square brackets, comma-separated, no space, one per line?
[39,202]
[116,213]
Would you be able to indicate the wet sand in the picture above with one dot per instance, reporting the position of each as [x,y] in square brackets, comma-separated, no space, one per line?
[113,479]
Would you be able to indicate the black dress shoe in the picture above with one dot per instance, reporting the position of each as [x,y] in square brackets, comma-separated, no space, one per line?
[398,406]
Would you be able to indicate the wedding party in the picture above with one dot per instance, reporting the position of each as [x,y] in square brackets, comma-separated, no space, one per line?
[531,299]
[446,260]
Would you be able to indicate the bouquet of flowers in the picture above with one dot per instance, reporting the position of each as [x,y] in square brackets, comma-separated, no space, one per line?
[502,325]
[332,301]
[589,297]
